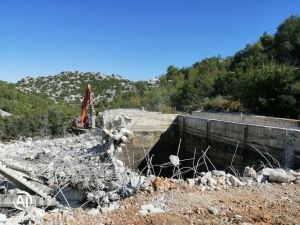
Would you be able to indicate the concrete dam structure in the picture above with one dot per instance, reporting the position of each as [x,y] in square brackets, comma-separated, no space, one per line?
[231,140]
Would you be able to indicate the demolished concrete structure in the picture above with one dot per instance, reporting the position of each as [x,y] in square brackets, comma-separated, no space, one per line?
[89,170]
[79,169]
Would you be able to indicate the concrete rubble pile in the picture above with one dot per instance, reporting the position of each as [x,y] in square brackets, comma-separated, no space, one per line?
[218,180]
[78,170]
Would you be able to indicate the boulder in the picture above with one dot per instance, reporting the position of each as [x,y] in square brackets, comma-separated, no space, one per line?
[174,160]
[249,172]
[235,182]
[281,177]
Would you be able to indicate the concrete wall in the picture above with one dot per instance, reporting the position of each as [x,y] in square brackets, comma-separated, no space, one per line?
[224,136]
[249,119]
[141,120]
[160,134]
[154,133]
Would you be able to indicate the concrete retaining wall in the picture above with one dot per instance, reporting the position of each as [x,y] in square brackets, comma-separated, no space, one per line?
[281,143]
[154,133]
[249,119]
[159,135]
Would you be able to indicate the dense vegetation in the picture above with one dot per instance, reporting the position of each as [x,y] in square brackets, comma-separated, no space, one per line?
[263,78]
[33,115]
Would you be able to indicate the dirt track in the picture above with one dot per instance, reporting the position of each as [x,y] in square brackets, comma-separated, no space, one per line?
[265,204]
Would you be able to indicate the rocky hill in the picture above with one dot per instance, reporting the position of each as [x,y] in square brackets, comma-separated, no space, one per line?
[69,86]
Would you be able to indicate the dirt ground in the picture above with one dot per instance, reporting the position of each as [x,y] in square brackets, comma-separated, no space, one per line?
[184,204]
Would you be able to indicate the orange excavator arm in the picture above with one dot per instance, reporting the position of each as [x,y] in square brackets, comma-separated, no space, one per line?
[87,100]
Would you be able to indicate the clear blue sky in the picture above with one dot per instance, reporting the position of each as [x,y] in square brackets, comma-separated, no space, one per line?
[137,39]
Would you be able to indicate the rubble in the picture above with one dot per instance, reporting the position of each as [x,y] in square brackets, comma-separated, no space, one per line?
[77,171]
[2,218]
[83,172]
[150,208]
[214,210]
[249,172]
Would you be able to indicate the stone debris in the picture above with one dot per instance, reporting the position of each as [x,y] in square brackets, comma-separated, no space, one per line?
[218,180]
[157,205]
[78,170]
[2,218]
[235,182]
[4,114]
[83,170]
[150,208]
[35,214]
[174,160]
[281,176]
[249,172]
[214,210]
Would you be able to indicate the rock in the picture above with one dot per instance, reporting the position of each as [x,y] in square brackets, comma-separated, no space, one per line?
[249,181]
[266,171]
[281,176]
[205,178]
[174,160]
[249,172]
[111,207]
[4,114]
[261,178]
[114,196]
[150,208]
[203,188]
[47,217]
[238,217]
[161,184]
[137,181]
[211,182]
[214,210]
[36,214]
[147,184]
[93,212]
[16,219]
[294,173]
[2,218]
[218,173]
[191,182]
[235,182]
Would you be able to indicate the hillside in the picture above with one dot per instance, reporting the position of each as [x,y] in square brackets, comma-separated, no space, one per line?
[32,114]
[69,86]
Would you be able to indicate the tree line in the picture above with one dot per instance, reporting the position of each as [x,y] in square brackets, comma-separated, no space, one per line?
[263,78]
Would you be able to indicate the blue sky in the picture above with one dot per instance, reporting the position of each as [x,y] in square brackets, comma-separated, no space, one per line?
[137,39]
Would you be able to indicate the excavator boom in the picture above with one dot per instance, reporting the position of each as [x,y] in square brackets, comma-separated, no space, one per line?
[86,119]
[86,100]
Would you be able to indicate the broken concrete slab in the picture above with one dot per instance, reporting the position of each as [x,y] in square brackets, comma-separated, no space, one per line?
[235,182]
[281,177]
[151,208]
[214,210]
